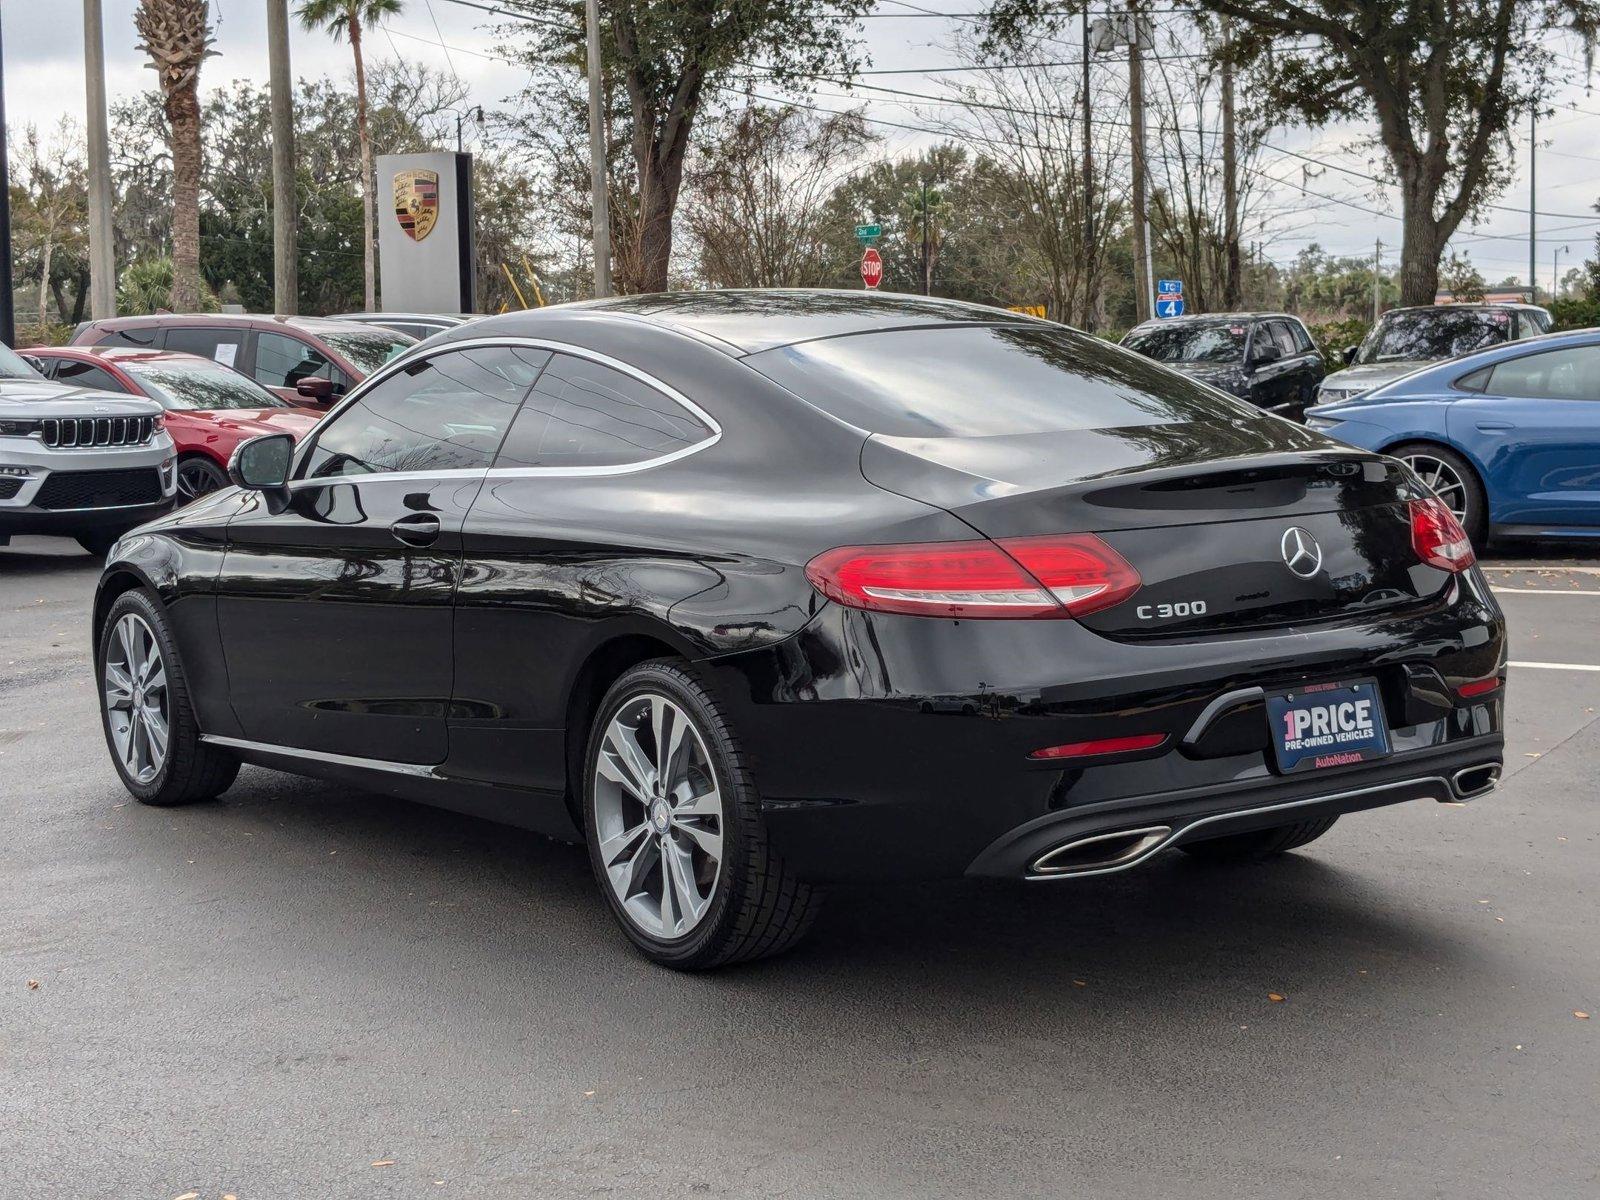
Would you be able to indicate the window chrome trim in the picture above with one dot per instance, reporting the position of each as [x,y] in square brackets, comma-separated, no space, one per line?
[421,353]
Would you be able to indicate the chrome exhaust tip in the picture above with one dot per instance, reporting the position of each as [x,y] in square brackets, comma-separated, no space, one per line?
[1474,781]
[1102,852]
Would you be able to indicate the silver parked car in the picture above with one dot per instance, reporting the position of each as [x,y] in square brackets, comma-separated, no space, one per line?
[1407,339]
[80,463]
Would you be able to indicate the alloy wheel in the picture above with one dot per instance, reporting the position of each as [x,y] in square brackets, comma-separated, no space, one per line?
[658,816]
[1443,480]
[195,479]
[137,708]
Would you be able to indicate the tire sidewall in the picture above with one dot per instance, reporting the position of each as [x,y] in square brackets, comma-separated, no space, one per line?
[700,945]
[138,603]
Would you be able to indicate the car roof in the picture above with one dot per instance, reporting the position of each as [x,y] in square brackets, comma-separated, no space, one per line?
[375,318]
[311,325]
[124,356]
[1218,318]
[747,321]
[1477,307]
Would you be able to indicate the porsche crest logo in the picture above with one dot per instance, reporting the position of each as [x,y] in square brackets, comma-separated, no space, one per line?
[416,202]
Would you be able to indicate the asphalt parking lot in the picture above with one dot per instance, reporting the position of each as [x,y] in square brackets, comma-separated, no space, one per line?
[300,991]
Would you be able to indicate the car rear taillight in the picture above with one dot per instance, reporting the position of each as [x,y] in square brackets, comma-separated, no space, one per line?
[1437,536]
[1065,575]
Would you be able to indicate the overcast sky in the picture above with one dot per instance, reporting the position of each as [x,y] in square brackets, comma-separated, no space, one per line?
[44,81]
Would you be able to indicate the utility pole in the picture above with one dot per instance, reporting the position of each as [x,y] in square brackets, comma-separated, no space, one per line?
[1555,272]
[597,156]
[1145,286]
[1088,185]
[285,196]
[8,318]
[1232,284]
[1377,267]
[927,262]
[1533,181]
[102,239]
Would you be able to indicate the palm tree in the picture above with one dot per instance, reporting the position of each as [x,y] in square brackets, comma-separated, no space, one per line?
[176,34]
[343,18]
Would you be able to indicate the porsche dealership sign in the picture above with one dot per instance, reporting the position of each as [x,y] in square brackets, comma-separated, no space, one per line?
[425,233]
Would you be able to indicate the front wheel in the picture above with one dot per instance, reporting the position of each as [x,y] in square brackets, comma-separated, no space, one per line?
[1454,481]
[198,476]
[149,721]
[674,827]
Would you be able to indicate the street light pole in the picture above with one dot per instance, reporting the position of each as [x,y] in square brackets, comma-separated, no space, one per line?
[601,219]
[1555,271]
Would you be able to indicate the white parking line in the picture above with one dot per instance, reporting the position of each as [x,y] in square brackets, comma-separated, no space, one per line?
[1557,666]
[1544,567]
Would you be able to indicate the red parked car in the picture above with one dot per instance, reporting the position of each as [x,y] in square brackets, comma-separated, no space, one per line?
[210,408]
[306,360]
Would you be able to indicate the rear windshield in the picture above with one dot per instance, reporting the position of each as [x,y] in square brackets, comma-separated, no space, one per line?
[981,381]
[1431,333]
[1219,343]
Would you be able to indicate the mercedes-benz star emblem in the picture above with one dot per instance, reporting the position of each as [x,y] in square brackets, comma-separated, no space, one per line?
[1301,553]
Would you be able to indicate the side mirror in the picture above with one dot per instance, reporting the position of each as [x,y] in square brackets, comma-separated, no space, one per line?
[316,388]
[1348,354]
[1262,355]
[262,463]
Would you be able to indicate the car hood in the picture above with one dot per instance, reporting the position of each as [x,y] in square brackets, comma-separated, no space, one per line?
[42,398]
[1371,375]
[253,422]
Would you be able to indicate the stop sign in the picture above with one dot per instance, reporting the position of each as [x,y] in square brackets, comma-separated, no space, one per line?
[872,267]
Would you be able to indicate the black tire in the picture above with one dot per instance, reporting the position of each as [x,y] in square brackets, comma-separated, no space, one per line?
[97,542]
[1476,521]
[757,907]
[1259,844]
[191,769]
[198,476]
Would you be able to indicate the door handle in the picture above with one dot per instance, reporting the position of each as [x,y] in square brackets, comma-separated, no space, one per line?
[419,530]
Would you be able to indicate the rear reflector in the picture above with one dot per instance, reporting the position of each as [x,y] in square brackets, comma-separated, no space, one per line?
[1478,687]
[1437,536]
[1116,745]
[1065,575]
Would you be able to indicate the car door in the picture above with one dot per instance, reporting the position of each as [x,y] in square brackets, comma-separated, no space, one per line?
[1272,384]
[334,600]
[1534,427]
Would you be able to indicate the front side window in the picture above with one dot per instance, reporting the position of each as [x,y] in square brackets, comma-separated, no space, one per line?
[282,361]
[1283,339]
[584,414]
[1218,343]
[1571,374]
[448,412]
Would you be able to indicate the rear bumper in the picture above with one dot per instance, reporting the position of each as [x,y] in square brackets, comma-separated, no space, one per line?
[898,747]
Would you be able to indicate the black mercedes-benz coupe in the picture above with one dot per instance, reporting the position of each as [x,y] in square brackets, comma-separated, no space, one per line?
[752,592]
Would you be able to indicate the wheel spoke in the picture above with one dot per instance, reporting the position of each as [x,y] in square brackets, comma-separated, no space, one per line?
[119,688]
[155,731]
[620,845]
[623,762]
[706,804]
[669,907]
[709,840]
[680,870]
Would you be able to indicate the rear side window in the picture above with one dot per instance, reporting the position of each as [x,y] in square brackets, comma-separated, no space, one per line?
[447,412]
[219,345]
[977,381]
[1571,374]
[144,337]
[585,414]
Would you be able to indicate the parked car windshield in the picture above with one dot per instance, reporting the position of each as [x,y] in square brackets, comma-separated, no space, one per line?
[1433,333]
[368,349]
[12,365]
[1222,342]
[181,386]
[981,381]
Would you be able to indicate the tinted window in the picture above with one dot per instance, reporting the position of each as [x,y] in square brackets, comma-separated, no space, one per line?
[1572,374]
[1222,342]
[1302,339]
[1430,333]
[966,381]
[367,349]
[444,413]
[142,336]
[220,345]
[80,374]
[283,361]
[1476,381]
[583,414]
[1283,339]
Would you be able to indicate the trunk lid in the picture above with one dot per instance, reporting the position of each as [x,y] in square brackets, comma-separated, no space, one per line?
[1232,528]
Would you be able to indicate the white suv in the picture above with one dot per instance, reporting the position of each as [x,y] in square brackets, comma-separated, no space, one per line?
[80,463]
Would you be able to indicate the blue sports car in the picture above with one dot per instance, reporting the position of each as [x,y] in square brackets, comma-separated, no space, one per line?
[1508,437]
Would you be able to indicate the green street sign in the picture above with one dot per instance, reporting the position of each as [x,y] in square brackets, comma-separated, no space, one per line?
[868,233]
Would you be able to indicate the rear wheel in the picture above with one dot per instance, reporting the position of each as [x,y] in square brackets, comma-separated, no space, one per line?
[1260,843]
[1454,481]
[149,722]
[675,832]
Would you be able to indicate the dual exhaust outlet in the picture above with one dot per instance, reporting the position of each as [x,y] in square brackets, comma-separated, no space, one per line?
[1124,847]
